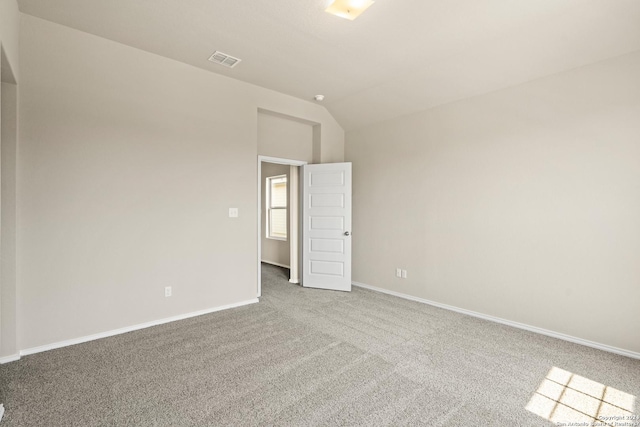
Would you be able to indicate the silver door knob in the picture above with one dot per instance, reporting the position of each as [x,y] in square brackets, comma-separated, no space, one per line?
[346,233]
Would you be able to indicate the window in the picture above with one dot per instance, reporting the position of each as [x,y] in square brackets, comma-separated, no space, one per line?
[277,207]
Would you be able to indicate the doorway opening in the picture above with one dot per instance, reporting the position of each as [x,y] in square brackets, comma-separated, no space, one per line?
[277,244]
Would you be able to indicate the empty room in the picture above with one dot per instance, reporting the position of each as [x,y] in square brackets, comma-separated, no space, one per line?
[319,213]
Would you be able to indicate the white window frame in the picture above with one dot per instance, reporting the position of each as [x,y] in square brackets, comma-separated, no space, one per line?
[270,208]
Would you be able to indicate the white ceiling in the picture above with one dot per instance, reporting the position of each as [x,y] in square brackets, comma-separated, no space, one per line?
[399,57]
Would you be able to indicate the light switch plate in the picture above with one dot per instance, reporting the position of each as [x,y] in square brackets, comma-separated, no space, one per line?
[233,212]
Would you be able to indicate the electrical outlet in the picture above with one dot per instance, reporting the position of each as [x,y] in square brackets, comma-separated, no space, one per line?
[167,291]
[398,272]
[233,212]
[404,274]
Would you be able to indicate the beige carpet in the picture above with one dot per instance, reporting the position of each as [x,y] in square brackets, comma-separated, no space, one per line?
[305,357]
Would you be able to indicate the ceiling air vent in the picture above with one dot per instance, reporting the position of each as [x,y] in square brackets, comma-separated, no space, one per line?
[224,59]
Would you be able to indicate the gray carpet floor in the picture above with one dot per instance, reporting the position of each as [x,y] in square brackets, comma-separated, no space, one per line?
[304,357]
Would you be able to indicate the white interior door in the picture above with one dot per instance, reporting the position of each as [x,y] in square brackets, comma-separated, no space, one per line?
[326,226]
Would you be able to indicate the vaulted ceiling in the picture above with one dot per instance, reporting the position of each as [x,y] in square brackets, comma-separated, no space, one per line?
[399,57]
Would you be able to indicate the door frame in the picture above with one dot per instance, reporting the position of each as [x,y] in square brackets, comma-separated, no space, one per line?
[279,161]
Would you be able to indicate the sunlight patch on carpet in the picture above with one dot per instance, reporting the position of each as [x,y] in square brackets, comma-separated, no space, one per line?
[568,399]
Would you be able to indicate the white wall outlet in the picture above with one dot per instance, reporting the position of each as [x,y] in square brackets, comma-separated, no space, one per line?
[233,212]
[404,274]
[167,291]
[398,272]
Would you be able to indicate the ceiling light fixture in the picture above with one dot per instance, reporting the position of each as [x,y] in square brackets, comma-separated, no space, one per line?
[319,98]
[348,9]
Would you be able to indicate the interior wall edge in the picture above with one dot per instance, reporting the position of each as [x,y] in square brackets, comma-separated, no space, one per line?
[9,359]
[523,326]
[125,330]
[277,264]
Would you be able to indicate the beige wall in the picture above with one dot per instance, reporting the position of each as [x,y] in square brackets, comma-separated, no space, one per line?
[273,251]
[284,137]
[8,291]
[9,23]
[522,204]
[128,165]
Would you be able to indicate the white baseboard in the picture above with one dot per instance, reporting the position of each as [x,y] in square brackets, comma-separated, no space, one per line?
[277,264]
[124,330]
[11,358]
[1,411]
[294,281]
[518,325]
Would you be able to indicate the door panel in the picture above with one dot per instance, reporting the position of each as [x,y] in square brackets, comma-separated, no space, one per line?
[326,227]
